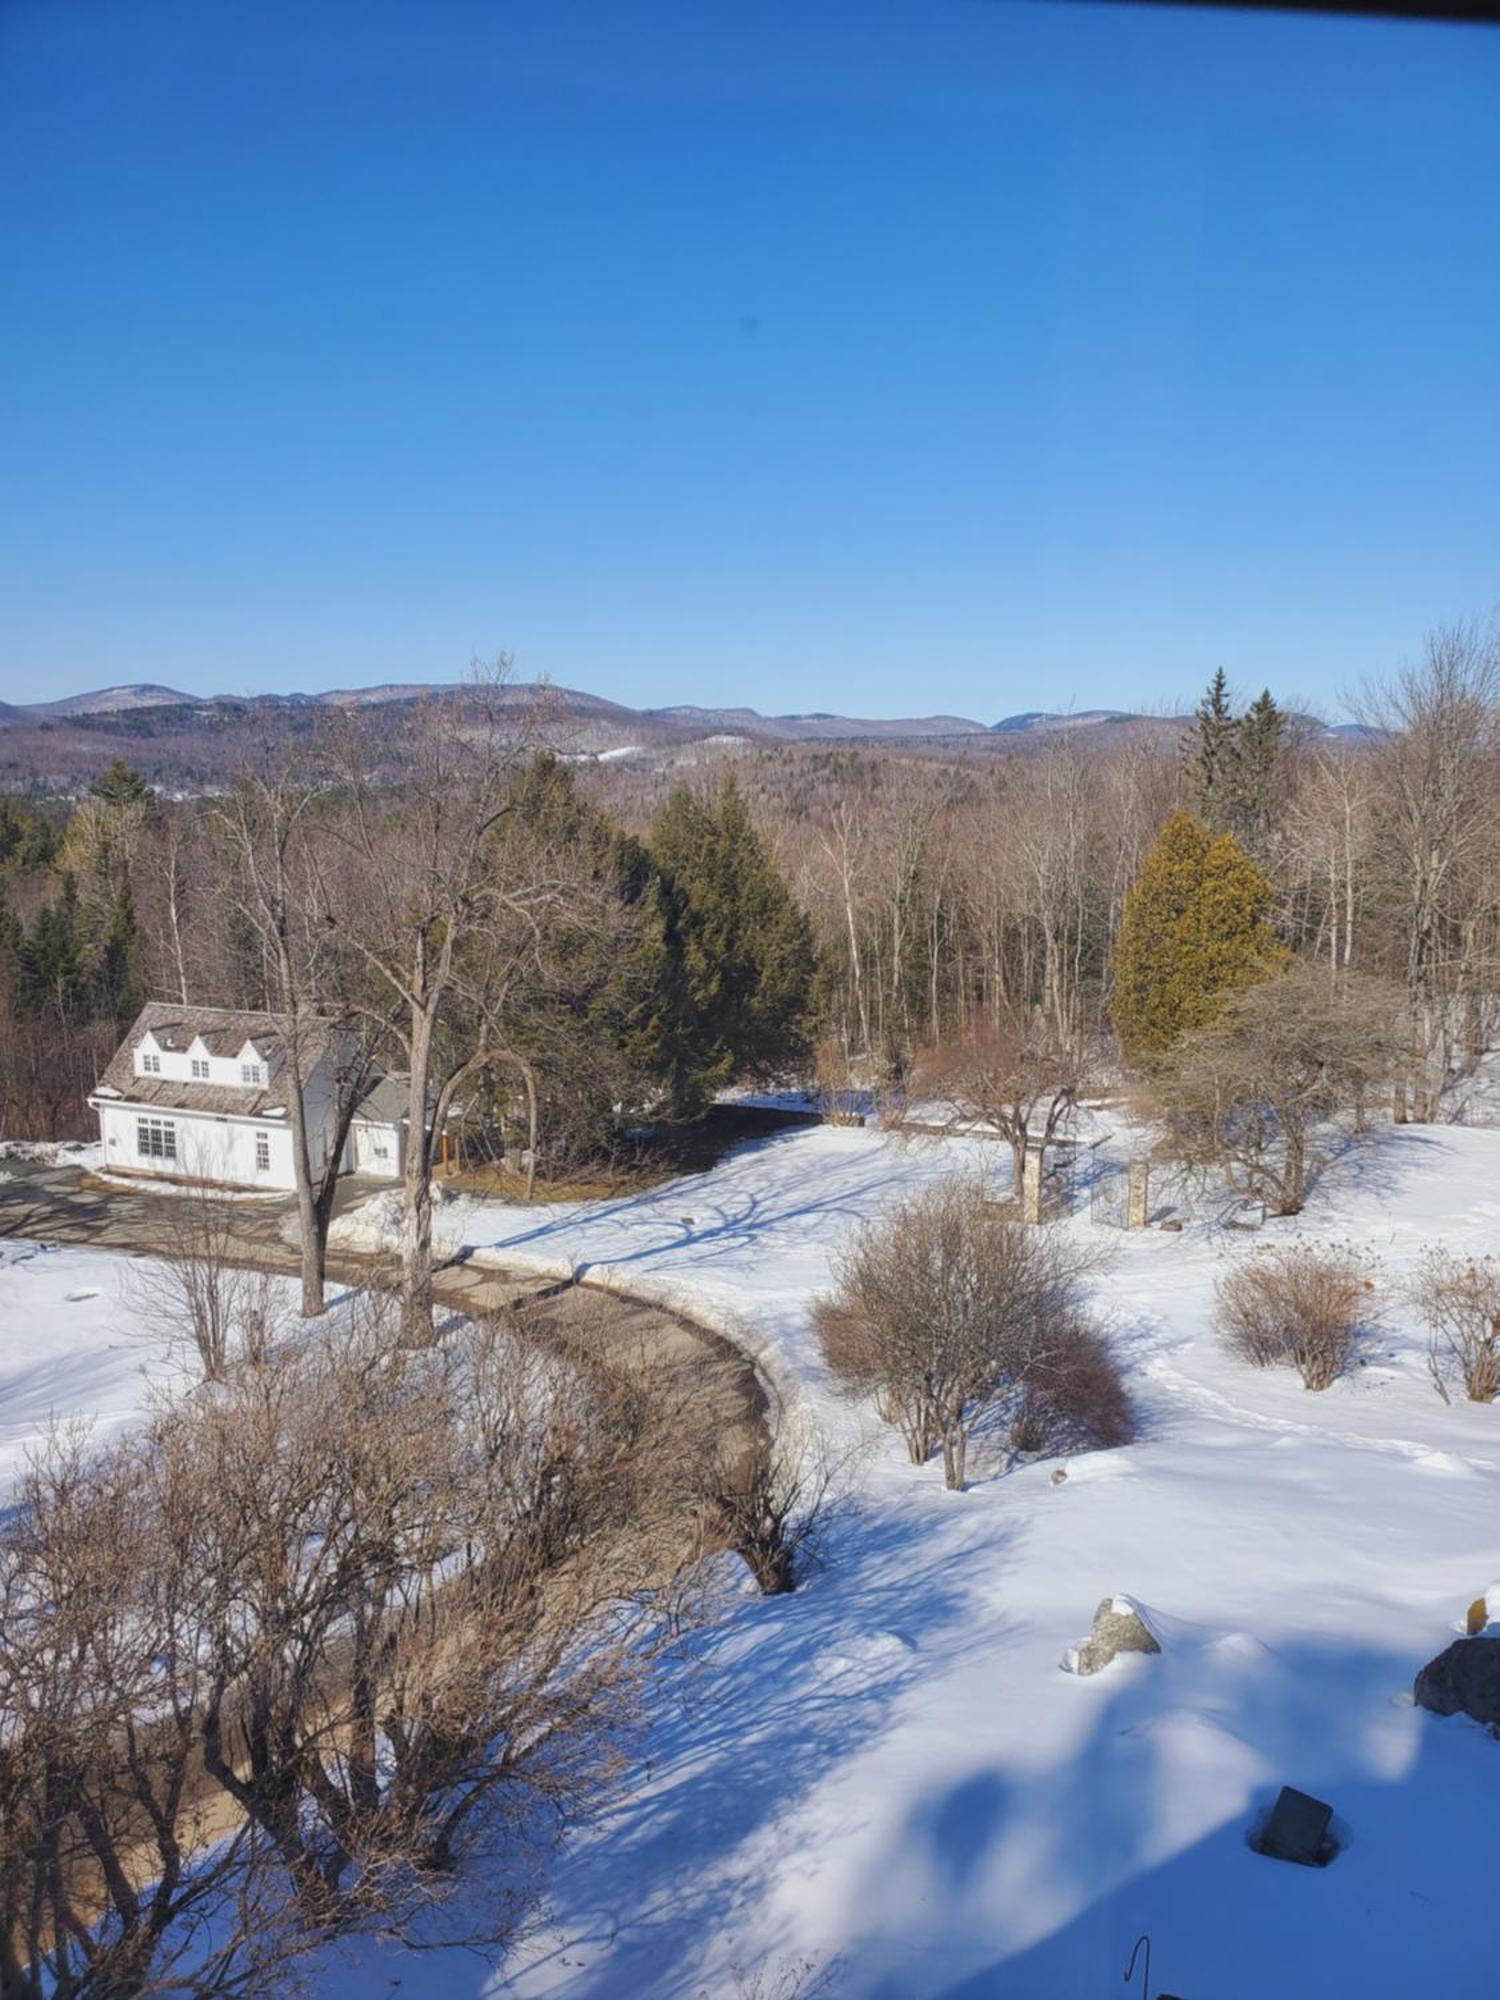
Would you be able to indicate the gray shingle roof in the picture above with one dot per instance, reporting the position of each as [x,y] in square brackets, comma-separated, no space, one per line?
[225,1031]
[385,1102]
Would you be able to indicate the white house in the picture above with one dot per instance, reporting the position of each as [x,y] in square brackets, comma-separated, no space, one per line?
[200,1093]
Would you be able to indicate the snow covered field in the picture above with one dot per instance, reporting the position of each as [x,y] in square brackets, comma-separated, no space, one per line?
[888,1773]
[68,1348]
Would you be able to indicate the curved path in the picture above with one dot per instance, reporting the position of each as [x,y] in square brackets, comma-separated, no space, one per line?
[690,1366]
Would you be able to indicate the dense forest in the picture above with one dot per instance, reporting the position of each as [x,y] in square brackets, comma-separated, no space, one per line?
[850,917]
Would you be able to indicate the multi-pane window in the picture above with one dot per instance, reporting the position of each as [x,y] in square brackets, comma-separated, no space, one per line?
[151,1065]
[200,1069]
[262,1152]
[250,1073]
[155,1139]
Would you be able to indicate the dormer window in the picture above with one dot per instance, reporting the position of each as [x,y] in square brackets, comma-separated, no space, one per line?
[200,1069]
[150,1065]
[252,1073]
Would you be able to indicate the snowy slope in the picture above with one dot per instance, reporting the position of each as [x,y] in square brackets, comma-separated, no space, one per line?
[888,1773]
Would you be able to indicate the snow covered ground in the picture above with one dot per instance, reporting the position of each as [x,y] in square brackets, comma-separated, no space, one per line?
[69,1346]
[888,1773]
[72,1347]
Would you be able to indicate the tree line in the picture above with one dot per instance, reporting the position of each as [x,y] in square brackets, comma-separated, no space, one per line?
[562,953]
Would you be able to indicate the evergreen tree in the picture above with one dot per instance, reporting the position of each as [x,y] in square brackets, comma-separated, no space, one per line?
[744,949]
[1258,744]
[595,1011]
[53,976]
[1212,755]
[122,785]
[11,937]
[117,978]
[1195,932]
[27,840]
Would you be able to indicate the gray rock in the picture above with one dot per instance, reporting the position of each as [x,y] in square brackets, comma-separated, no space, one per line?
[1118,1628]
[1297,1830]
[1464,1680]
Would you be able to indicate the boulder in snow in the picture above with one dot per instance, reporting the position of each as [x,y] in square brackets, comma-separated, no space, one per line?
[1483,1611]
[1119,1627]
[1463,1680]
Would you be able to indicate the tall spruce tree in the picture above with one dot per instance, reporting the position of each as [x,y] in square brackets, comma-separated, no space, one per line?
[744,948]
[117,977]
[1255,777]
[53,973]
[1195,931]
[1212,755]
[596,1014]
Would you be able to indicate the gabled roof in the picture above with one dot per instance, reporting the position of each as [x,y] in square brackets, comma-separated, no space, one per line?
[385,1102]
[224,1031]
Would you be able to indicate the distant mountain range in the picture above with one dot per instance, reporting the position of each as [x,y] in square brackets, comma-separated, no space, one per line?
[693,719]
[196,742]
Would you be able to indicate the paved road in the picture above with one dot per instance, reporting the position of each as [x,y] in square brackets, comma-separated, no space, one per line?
[693,1367]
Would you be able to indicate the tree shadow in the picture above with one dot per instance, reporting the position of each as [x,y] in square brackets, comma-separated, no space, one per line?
[1403,1908]
[733,1219]
[764,1708]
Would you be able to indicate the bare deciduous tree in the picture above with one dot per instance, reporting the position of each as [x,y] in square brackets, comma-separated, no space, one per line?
[268,819]
[1251,1090]
[198,1294]
[1017,1076]
[411,879]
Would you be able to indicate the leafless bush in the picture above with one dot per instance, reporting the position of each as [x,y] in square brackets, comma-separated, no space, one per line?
[371,1613]
[944,1310]
[772,1502]
[116,1867]
[1074,1398]
[1459,1298]
[197,1295]
[794,1979]
[1300,1307]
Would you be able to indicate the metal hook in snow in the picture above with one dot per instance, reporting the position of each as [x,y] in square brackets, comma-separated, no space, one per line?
[1135,1952]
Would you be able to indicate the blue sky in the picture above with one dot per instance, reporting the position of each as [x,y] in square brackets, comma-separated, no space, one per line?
[951,355]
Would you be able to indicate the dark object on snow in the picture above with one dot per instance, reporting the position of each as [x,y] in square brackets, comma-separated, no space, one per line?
[1059,1475]
[1464,1680]
[1297,1830]
[1141,1951]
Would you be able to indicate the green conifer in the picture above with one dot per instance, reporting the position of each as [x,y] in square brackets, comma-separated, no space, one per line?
[1195,931]
[1254,784]
[117,979]
[744,949]
[1212,755]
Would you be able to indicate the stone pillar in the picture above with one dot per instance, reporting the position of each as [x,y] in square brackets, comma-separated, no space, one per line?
[1031,1188]
[1137,1194]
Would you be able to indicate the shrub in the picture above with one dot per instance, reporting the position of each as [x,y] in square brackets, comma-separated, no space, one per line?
[1298,1307]
[1074,1398]
[1459,1298]
[944,1311]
